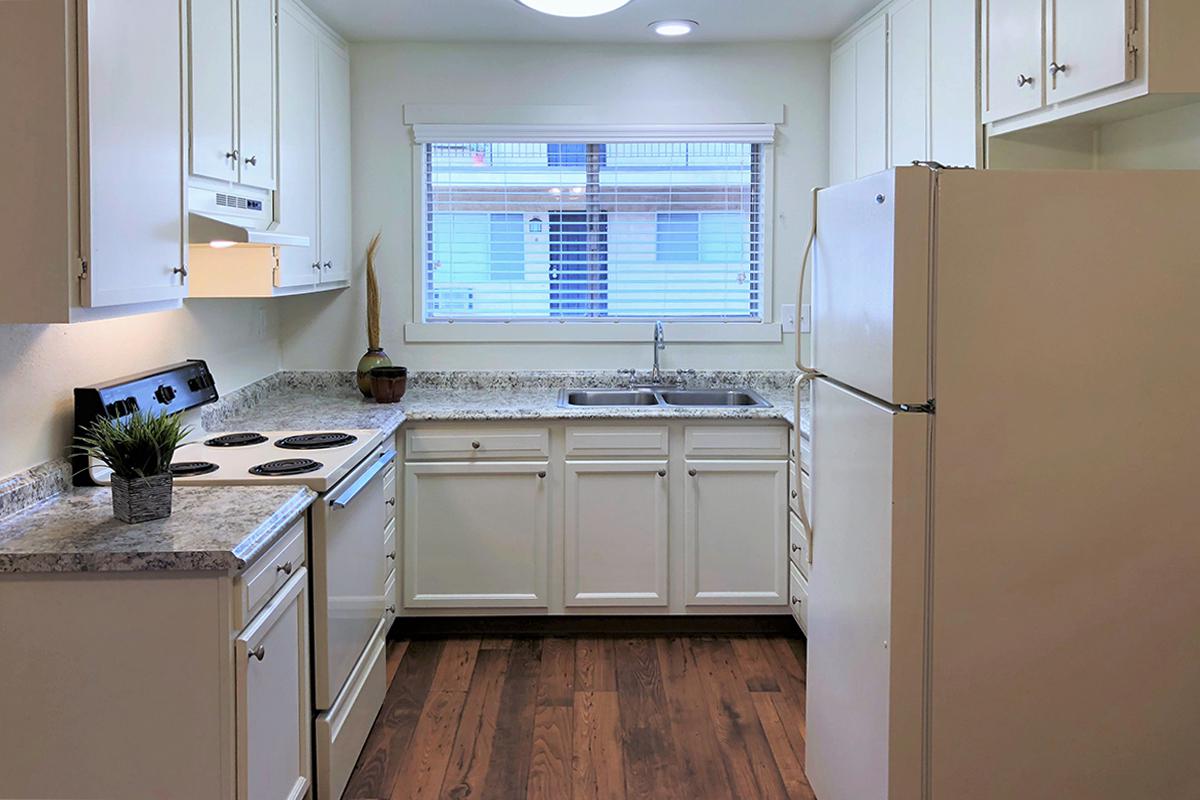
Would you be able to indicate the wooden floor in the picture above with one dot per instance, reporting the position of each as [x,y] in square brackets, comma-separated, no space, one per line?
[561,718]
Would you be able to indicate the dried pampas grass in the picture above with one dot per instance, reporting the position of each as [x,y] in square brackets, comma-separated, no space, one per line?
[372,295]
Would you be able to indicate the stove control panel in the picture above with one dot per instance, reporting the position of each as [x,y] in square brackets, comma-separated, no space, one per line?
[168,390]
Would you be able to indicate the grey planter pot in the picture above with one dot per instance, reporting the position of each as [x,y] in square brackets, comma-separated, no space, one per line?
[142,499]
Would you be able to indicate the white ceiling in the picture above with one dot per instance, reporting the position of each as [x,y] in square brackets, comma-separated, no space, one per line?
[508,21]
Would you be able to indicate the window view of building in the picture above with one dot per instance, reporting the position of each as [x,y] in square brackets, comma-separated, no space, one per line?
[528,231]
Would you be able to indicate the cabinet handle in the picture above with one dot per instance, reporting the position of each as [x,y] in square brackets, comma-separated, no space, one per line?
[474,445]
[662,473]
[391,501]
[285,568]
[795,600]
[252,161]
[232,154]
[328,265]
[391,609]
[181,271]
[794,495]
[1024,80]
[316,265]
[259,652]
[692,472]
[1056,68]
[795,547]
[542,474]
[392,556]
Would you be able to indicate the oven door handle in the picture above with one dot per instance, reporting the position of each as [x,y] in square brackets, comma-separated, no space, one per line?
[347,497]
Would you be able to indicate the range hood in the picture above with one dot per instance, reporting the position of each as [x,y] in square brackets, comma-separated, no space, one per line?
[203,229]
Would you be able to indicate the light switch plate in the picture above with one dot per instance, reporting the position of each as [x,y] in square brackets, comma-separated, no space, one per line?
[787,316]
[806,318]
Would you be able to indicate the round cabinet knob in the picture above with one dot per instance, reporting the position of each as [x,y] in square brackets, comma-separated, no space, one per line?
[795,547]
[1024,80]
[541,474]
[1056,68]
[692,472]
[795,600]
[391,501]
[390,609]
[662,473]
[181,271]
[285,568]
[259,652]
[232,155]
[794,495]
[475,445]
[328,265]
[392,556]
[316,265]
[252,161]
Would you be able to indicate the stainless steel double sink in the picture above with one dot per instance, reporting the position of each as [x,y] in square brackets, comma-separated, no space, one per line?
[661,397]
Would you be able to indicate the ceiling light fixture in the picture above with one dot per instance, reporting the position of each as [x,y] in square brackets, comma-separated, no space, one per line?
[674,27]
[574,8]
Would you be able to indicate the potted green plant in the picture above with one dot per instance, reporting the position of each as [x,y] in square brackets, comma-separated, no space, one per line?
[138,449]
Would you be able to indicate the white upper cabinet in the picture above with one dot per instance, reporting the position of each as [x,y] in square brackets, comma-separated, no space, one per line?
[1013,80]
[256,93]
[93,144]
[334,93]
[843,165]
[233,79]
[1086,46]
[871,80]
[299,184]
[908,68]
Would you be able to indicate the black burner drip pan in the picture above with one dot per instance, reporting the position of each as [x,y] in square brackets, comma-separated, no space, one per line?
[315,441]
[286,466]
[236,440]
[186,469]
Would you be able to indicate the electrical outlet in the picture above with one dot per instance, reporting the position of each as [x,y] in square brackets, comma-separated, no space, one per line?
[806,318]
[787,316]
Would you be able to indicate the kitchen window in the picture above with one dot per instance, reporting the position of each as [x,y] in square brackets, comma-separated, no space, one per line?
[593,231]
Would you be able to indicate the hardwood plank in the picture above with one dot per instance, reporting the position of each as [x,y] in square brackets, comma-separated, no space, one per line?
[395,652]
[791,664]
[492,643]
[386,745]
[556,684]
[508,772]
[456,666]
[424,766]
[700,754]
[597,767]
[651,758]
[550,758]
[791,768]
[753,664]
[749,763]
[595,666]
[471,755]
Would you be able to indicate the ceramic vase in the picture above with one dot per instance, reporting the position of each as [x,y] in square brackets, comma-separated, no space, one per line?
[374,357]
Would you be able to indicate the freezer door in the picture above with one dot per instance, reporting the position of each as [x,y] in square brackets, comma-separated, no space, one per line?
[866,598]
[871,284]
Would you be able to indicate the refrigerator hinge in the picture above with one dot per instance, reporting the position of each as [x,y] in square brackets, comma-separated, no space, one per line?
[919,408]
[936,166]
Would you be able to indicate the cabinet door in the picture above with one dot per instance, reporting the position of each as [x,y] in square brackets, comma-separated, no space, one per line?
[616,533]
[334,69]
[211,57]
[1086,46]
[1013,38]
[954,130]
[735,532]
[131,152]
[870,79]
[273,709]
[842,136]
[256,93]
[908,60]
[475,534]
[297,198]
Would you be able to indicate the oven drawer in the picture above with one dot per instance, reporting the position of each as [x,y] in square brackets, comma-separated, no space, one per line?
[341,732]
[466,442]
[267,574]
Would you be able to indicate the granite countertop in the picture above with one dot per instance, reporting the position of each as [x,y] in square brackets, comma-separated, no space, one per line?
[317,400]
[210,528]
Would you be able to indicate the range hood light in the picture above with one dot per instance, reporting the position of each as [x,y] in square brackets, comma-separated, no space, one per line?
[221,244]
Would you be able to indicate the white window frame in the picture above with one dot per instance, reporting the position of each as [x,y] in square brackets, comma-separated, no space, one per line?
[599,330]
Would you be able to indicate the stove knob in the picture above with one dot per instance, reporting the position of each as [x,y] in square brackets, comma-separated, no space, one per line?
[164,394]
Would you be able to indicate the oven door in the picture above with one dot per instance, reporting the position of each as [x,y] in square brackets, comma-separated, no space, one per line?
[348,576]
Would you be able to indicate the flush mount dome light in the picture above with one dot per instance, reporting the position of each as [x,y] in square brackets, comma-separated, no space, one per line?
[674,27]
[574,8]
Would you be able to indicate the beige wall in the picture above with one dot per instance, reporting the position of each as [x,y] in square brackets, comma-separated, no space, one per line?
[326,331]
[41,364]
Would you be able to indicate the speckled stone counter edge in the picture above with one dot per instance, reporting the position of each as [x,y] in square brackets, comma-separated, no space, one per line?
[30,487]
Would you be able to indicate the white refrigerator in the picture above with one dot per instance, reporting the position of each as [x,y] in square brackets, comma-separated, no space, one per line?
[1005,582]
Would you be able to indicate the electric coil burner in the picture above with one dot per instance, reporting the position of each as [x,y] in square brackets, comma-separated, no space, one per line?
[185,469]
[315,441]
[236,439]
[286,466]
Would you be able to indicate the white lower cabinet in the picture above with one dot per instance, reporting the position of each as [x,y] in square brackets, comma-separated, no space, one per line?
[475,534]
[616,533]
[735,532]
[273,705]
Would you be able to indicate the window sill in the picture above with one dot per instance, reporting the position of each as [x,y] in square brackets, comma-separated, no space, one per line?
[591,332]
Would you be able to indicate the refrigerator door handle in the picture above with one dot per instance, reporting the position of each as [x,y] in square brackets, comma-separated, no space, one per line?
[808,253]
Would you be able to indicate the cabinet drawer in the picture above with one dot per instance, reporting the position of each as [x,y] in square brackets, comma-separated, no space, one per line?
[793,488]
[447,443]
[616,441]
[756,441]
[341,731]
[389,601]
[263,578]
[389,546]
[798,545]
[798,597]
[389,489]
[805,454]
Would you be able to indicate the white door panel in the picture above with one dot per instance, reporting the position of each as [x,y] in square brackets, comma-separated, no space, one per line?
[908,79]
[871,81]
[296,202]
[1087,37]
[1013,76]
[842,137]
[212,90]
[334,72]
[871,285]
[256,93]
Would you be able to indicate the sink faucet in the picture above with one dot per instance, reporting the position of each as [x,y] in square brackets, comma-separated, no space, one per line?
[659,345]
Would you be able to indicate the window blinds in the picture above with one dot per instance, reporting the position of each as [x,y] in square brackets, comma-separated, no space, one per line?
[592,230]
